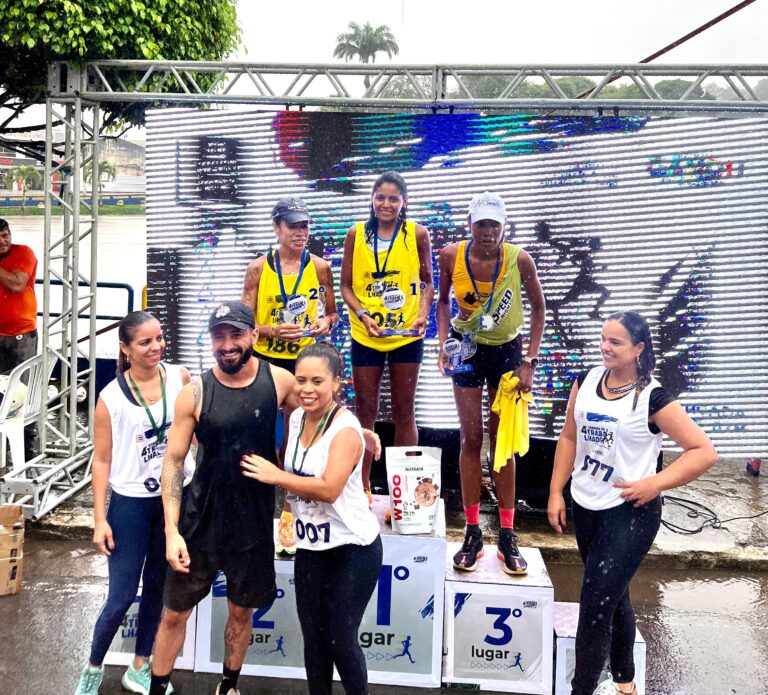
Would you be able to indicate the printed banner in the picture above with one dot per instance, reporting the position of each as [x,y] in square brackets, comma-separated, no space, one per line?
[401,632]
[123,646]
[499,628]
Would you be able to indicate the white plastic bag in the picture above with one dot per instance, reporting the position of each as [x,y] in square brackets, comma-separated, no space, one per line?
[413,476]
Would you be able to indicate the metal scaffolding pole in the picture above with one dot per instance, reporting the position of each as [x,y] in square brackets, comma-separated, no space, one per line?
[66,436]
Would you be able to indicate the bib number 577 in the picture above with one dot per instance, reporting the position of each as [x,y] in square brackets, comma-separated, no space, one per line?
[597,466]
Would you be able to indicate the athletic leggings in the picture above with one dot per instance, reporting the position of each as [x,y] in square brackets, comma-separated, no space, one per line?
[333,588]
[138,530]
[612,544]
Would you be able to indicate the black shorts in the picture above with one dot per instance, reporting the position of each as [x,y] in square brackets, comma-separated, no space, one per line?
[290,365]
[410,353]
[250,578]
[490,362]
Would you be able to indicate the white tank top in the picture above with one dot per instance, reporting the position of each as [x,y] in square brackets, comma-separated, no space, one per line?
[137,457]
[320,525]
[613,444]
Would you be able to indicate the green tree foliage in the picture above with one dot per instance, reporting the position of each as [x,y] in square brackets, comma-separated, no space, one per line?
[106,173]
[364,42]
[33,33]
[29,177]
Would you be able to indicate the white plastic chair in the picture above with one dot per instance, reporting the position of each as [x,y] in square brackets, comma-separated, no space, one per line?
[12,428]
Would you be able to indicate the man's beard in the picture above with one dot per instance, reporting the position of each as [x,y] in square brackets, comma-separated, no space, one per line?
[234,368]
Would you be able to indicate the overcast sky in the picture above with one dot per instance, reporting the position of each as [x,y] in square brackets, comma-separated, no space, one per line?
[509,31]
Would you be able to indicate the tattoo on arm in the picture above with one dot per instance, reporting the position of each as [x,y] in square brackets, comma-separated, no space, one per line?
[172,485]
[197,391]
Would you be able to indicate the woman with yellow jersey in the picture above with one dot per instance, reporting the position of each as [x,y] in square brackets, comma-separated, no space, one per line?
[386,281]
[290,292]
[486,275]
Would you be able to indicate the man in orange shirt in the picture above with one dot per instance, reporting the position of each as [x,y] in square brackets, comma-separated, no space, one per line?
[18,318]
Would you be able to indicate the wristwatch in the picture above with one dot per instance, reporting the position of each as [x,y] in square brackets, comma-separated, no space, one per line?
[533,361]
[361,313]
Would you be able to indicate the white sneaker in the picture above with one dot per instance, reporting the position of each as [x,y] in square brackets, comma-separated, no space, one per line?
[609,687]
[231,691]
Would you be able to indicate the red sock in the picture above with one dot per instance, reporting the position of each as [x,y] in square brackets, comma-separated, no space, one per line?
[506,518]
[472,513]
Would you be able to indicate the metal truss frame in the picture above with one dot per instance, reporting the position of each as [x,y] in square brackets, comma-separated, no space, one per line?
[433,87]
[64,464]
[75,95]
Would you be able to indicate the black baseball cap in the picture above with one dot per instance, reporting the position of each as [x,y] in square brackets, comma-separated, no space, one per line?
[234,314]
[291,210]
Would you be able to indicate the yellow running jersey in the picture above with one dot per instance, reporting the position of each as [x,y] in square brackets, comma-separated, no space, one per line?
[402,273]
[269,308]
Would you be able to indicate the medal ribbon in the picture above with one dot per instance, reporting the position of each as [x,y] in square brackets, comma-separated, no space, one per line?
[159,432]
[279,271]
[321,427]
[487,307]
[381,272]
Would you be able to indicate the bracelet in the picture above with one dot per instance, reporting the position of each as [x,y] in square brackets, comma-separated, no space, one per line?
[361,313]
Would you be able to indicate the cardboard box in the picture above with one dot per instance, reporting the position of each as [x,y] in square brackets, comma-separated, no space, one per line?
[11,548]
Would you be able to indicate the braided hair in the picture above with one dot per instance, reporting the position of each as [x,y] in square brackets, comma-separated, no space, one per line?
[639,332]
[372,224]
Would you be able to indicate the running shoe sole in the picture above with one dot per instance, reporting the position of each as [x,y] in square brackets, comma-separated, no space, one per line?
[471,568]
[514,573]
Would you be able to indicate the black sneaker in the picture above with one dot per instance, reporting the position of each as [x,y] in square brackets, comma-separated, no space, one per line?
[471,550]
[513,561]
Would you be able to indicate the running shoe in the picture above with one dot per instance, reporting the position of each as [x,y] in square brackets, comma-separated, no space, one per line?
[90,681]
[231,691]
[471,551]
[139,681]
[610,688]
[507,552]
[286,539]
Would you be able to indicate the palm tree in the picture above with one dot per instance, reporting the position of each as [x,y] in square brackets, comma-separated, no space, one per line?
[29,177]
[365,42]
[107,172]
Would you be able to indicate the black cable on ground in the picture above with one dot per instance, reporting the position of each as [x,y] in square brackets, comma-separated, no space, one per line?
[696,510]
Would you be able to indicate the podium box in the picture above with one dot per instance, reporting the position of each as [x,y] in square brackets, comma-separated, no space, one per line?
[400,634]
[123,646]
[566,620]
[498,627]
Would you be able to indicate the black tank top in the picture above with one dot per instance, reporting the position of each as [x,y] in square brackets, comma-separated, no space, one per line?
[224,510]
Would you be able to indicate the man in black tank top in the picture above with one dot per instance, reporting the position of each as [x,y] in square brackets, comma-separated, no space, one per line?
[224,521]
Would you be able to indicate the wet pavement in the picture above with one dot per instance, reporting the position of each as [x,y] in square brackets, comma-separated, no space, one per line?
[706,630]
[701,600]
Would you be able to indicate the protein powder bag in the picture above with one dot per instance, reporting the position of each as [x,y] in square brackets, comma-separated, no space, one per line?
[413,475]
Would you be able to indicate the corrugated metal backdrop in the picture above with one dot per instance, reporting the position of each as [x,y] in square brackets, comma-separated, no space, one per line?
[665,216]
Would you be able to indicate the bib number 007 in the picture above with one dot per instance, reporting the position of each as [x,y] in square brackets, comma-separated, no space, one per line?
[321,532]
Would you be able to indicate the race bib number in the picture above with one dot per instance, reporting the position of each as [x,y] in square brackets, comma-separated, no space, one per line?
[151,454]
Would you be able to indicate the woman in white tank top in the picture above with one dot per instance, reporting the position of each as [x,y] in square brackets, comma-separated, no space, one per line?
[339,549]
[131,421]
[608,447]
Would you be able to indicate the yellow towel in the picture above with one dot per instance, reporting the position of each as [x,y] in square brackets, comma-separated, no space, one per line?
[511,405]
